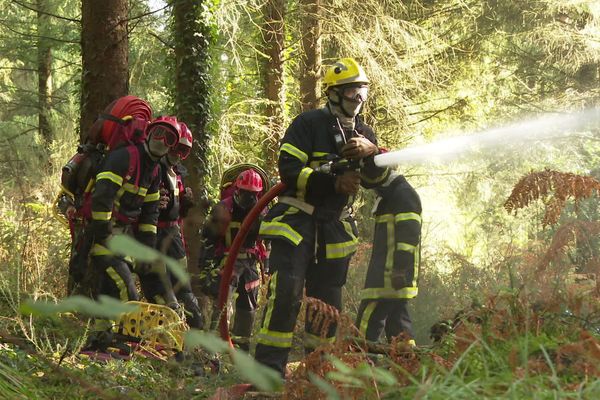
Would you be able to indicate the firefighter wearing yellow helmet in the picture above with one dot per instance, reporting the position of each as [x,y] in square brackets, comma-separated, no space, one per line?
[312,230]
[346,86]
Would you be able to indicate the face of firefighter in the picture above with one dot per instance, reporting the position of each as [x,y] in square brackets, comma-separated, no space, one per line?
[245,199]
[350,98]
[161,140]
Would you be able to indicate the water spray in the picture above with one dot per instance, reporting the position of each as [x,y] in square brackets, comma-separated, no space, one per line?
[544,127]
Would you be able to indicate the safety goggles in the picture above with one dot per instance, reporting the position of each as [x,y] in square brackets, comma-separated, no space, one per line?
[182,151]
[355,93]
[164,134]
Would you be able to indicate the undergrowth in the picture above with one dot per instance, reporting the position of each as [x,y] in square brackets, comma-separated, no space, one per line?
[528,326]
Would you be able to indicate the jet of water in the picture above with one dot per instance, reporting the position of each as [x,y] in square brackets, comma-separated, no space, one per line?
[516,134]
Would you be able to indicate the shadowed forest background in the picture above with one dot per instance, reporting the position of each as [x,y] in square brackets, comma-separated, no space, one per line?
[237,72]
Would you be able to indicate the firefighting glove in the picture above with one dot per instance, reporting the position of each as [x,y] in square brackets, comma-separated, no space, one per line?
[163,201]
[348,183]
[188,197]
[399,280]
[358,148]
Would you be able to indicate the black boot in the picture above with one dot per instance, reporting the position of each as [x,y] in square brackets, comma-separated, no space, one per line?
[242,328]
[193,314]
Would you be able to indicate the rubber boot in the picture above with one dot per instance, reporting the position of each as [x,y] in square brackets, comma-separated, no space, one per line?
[242,328]
[193,314]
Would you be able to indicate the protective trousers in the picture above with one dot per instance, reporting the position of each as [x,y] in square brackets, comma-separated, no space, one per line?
[170,241]
[115,277]
[292,266]
[246,282]
[390,314]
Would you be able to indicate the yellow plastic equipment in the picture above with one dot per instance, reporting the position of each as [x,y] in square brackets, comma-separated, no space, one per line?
[159,328]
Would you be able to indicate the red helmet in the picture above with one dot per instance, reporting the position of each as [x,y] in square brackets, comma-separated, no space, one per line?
[167,129]
[249,180]
[184,147]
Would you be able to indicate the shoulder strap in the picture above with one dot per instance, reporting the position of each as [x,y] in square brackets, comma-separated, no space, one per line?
[228,203]
[134,162]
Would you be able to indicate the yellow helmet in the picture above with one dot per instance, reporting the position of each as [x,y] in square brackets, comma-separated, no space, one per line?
[345,70]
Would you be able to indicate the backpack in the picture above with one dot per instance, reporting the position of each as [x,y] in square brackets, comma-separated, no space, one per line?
[122,123]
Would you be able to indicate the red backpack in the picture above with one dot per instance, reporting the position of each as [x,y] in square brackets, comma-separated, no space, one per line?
[123,123]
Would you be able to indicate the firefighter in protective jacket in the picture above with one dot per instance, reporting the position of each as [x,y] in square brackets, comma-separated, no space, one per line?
[394,264]
[313,234]
[223,224]
[125,200]
[175,202]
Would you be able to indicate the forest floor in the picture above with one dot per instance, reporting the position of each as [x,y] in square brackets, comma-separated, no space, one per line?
[516,345]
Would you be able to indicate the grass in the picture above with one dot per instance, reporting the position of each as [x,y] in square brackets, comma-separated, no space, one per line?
[539,343]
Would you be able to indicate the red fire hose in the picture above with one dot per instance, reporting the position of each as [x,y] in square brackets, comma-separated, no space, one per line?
[233,253]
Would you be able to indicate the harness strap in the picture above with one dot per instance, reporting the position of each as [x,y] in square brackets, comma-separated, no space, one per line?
[134,165]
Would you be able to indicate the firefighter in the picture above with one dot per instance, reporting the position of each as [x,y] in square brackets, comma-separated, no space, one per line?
[313,234]
[223,224]
[394,264]
[125,200]
[175,202]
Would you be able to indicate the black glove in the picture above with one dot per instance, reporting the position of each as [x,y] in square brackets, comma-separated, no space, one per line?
[399,280]
[348,183]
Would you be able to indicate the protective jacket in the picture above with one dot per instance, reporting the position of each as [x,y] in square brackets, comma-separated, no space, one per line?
[309,142]
[126,197]
[124,200]
[217,244]
[394,266]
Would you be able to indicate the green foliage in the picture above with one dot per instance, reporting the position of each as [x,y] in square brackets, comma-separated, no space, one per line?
[262,377]
[105,307]
[127,246]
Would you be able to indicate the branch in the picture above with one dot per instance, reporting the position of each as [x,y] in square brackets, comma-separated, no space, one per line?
[38,36]
[165,43]
[146,13]
[19,134]
[46,13]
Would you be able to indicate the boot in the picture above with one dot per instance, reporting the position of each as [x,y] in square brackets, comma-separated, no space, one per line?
[242,328]
[193,315]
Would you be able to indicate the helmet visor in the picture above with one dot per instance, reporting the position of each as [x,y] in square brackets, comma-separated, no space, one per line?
[357,93]
[168,136]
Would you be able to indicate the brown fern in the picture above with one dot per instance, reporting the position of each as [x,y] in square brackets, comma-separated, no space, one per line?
[553,188]
[566,235]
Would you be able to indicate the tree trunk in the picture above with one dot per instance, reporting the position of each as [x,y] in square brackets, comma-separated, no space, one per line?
[310,65]
[274,35]
[193,37]
[104,52]
[44,61]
